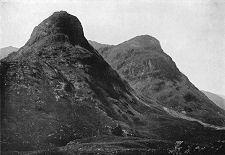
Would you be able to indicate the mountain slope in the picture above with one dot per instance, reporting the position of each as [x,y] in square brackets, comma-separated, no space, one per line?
[7,50]
[57,92]
[218,100]
[153,74]
[57,88]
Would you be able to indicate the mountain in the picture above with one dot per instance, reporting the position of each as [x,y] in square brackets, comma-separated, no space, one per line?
[7,50]
[217,99]
[59,96]
[97,45]
[153,74]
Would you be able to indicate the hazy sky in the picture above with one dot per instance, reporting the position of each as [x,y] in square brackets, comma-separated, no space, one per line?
[192,32]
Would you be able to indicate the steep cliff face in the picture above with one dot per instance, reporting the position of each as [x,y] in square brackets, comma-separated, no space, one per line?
[152,73]
[57,89]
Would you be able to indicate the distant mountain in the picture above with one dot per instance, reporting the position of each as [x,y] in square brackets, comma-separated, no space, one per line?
[7,50]
[97,45]
[153,74]
[217,99]
[59,96]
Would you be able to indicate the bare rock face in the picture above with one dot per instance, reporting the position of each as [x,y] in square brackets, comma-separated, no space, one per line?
[57,90]
[153,74]
[60,23]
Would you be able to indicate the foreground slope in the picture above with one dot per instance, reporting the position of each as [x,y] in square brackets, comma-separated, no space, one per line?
[57,91]
[153,74]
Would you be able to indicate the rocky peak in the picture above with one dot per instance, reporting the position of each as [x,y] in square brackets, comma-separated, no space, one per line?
[60,26]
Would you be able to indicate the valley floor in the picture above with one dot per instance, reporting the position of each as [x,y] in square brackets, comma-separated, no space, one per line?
[113,145]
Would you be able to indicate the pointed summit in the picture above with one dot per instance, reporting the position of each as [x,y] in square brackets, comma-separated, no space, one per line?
[60,26]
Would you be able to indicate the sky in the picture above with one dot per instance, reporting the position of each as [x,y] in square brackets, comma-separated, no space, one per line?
[192,32]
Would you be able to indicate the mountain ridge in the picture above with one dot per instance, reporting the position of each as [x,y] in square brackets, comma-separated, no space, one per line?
[58,95]
[153,73]
[54,90]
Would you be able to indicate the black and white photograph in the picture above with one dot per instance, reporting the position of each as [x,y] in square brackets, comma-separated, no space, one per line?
[112,77]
